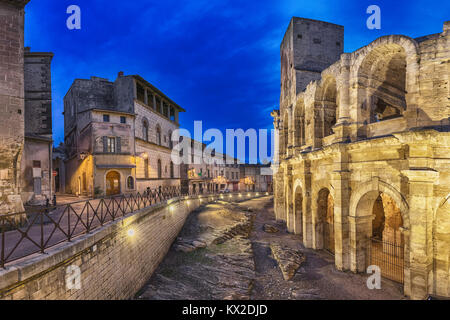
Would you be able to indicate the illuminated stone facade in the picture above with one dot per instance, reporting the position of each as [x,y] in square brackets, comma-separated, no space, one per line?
[363,150]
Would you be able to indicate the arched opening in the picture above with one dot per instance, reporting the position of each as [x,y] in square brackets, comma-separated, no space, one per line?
[159,169]
[112,183]
[299,126]
[441,242]
[298,211]
[171,170]
[325,221]
[130,183]
[329,104]
[285,133]
[382,84]
[158,135]
[170,140]
[379,234]
[145,130]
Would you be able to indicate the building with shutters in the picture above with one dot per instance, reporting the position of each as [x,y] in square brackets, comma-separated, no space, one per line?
[118,136]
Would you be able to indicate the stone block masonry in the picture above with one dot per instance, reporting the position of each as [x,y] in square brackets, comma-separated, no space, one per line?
[11,103]
[115,261]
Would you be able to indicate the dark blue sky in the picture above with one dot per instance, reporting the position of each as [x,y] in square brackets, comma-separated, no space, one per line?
[217,59]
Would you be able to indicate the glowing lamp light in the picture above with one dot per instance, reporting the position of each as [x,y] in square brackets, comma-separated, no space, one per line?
[131,232]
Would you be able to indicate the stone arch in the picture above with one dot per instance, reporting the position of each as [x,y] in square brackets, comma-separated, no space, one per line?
[324,221]
[298,207]
[112,182]
[361,217]
[378,185]
[326,97]
[299,123]
[285,133]
[158,135]
[145,128]
[386,74]
[441,251]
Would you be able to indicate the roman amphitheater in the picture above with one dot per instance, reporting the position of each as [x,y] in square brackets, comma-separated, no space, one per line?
[362,164]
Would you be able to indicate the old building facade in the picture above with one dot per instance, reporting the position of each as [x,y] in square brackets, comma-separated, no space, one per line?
[362,162]
[256,177]
[25,111]
[118,136]
[36,171]
[206,170]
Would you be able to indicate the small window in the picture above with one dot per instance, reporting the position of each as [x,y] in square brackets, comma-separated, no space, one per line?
[130,183]
[109,144]
[123,120]
[317,41]
[36,164]
[299,36]
[106,118]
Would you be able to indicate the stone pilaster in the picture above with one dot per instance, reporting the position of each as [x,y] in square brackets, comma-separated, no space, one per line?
[418,280]
[308,229]
[341,182]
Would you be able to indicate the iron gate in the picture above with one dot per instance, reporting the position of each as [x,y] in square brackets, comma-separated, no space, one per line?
[389,256]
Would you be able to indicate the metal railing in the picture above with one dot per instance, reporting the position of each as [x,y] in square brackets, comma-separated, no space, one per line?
[389,256]
[27,233]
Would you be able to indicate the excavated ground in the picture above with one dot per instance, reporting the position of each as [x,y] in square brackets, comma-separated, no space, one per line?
[238,251]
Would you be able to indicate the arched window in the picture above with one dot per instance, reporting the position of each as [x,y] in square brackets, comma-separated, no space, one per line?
[171,170]
[145,130]
[158,135]
[130,183]
[170,140]
[159,169]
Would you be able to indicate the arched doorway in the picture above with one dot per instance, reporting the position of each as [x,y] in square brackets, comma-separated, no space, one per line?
[325,221]
[112,183]
[441,265]
[378,235]
[298,211]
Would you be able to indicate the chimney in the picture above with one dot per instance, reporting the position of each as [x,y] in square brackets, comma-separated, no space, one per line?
[120,74]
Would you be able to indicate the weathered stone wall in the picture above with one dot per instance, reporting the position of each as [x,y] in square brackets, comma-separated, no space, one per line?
[114,263]
[11,103]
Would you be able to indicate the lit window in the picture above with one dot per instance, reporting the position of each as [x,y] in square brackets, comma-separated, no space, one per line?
[110,144]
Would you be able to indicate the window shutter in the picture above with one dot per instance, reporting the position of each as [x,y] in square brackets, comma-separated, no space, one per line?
[119,145]
[105,144]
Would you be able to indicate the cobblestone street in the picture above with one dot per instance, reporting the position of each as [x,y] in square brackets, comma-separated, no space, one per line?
[224,252]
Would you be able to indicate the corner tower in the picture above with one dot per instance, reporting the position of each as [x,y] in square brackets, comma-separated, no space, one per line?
[308,47]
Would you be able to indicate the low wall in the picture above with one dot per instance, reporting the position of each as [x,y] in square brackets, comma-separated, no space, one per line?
[113,262]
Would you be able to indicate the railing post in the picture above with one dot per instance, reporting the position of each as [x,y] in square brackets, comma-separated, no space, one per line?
[2,261]
[42,231]
[68,223]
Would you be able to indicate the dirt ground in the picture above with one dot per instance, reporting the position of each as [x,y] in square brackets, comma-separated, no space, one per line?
[243,267]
